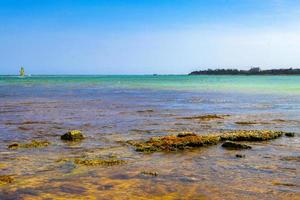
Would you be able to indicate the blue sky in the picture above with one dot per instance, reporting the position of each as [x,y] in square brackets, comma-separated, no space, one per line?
[147,36]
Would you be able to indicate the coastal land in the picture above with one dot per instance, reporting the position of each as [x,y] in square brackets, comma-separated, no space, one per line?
[252,71]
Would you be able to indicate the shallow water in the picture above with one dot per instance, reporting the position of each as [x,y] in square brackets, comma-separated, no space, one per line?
[113,109]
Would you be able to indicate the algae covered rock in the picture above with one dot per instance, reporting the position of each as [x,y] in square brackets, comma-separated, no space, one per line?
[74,135]
[32,144]
[251,135]
[98,161]
[291,158]
[5,179]
[206,117]
[235,146]
[187,140]
[175,143]
[245,123]
[14,146]
[289,134]
[150,173]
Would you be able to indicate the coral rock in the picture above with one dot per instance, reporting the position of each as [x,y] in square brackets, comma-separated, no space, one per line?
[73,135]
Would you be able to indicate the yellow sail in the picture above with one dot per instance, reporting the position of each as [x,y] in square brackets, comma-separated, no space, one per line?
[22,72]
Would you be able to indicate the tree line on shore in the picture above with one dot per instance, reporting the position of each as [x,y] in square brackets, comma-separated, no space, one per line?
[252,71]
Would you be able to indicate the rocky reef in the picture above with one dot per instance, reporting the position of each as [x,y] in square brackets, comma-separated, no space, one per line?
[173,142]
[251,135]
[191,140]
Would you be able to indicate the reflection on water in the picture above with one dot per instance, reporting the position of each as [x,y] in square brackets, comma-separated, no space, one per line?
[109,116]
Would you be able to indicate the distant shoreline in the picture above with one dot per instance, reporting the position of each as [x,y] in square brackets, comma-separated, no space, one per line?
[250,72]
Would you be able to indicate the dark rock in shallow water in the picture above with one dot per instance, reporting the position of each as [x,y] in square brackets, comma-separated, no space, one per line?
[290,134]
[240,156]
[150,173]
[233,145]
[13,146]
[73,135]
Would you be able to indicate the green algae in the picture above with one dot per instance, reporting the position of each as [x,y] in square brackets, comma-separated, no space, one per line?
[187,140]
[291,158]
[73,135]
[32,144]
[2,165]
[277,183]
[98,162]
[249,123]
[245,123]
[150,173]
[141,131]
[206,117]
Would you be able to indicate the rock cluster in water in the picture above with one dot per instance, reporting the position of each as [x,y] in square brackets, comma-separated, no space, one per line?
[189,140]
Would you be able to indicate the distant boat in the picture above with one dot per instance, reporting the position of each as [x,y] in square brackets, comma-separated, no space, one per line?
[22,72]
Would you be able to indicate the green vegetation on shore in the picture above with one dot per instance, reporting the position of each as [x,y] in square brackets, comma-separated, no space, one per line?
[252,71]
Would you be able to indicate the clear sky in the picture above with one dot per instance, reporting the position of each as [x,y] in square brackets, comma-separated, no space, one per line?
[147,36]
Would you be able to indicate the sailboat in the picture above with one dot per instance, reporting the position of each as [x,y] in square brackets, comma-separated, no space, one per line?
[22,72]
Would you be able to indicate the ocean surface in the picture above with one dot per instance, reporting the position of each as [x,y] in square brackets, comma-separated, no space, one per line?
[111,110]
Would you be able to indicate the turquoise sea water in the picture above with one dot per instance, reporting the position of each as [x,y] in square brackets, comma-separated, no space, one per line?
[245,84]
[111,110]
